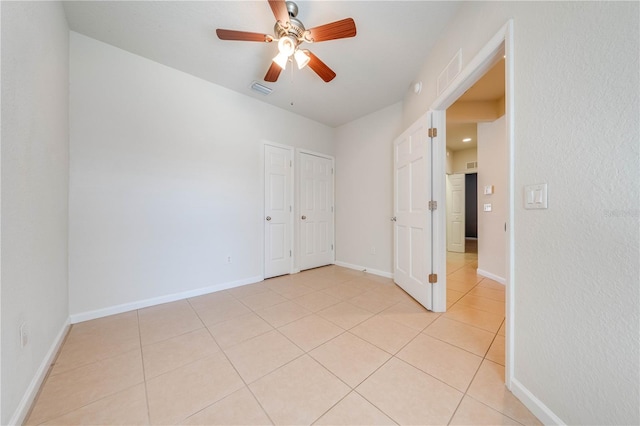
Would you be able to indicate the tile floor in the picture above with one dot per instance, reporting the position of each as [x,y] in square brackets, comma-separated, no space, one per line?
[329,346]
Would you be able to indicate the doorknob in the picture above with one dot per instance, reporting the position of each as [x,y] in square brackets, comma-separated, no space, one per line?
[304,217]
[393,219]
[268,218]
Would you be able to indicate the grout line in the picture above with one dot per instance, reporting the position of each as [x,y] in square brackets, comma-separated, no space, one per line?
[144,373]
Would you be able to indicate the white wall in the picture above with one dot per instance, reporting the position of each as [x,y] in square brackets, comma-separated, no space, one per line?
[492,170]
[165,178]
[462,157]
[364,190]
[35,161]
[577,310]
[449,163]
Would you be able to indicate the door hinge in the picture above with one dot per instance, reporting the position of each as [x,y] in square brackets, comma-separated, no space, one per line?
[433,132]
[433,205]
[433,278]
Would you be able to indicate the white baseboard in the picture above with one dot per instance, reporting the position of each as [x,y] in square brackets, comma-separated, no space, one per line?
[491,276]
[541,411]
[126,307]
[20,415]
[360,268]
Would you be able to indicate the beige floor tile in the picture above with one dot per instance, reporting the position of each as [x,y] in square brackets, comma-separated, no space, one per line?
[373,301]
[239,408]
[350,358]
[466,274]
[454,295]
[410,396]
[168,320]
[489,293]
[316,301]
[288,288]
[210,301]
[410,314]
[483,304]
[494,285]
[260,355]
[501,331]
[128,407]
[299,392]
[172,353]
[262,300]
[467,337]
[488,387]
[180,393]
[354,410]
[386,334]
[344,291]
[99,339]
[481,319]
[76,388]
[248,290]
[460,284]
[496,351]
[239,329]
[283,313]
[448,363]
[318,282]
[472,412]
[223,311]
[310,331]
[345,315]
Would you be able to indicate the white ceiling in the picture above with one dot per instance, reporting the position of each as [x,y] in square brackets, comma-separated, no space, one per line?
[374,69]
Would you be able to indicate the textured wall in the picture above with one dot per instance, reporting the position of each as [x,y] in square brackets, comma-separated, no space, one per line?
[35,161]
[364,189]
[577,307]
[166,178]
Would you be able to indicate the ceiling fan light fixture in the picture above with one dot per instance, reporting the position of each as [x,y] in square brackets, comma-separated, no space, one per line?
[302,59]
[287,45]
[281,59]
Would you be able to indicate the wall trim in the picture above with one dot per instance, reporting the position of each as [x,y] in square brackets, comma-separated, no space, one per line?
[368,270]
[491,276]
[537,407]
[20,415]
[126,307]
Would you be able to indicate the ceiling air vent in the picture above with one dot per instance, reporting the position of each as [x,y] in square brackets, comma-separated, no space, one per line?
[261,88]
[472,165]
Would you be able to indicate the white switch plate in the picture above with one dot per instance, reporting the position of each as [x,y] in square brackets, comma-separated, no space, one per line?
[535,196]
[487,207]
[488,189]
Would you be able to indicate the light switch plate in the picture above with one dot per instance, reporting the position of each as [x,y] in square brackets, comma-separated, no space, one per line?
[487,207]
[488,189]
[535,196]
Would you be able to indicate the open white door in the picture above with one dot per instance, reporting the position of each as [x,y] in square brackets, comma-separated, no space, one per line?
[316,211]
[455,213]
[277,211]
[412,193]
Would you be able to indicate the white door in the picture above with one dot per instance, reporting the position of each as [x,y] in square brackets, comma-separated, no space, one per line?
[412,230]
[278,211]
[316,211]
[455,213]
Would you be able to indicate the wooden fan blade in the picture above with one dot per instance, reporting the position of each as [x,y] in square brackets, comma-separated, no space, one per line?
[320,67]
[335,30]
[279,9]
[273,73]
[242,36]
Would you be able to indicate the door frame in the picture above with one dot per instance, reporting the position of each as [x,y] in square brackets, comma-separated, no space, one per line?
[291,197]
[296,206]
[500,44]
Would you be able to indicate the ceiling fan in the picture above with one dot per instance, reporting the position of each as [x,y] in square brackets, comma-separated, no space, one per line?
[290,33]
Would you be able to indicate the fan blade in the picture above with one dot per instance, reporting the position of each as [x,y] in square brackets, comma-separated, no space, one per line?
[242,36]
[273,73]
[320,67]
[279,9]
[335,30]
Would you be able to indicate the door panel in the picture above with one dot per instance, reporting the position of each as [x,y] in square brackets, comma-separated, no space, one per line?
[412,230]
[277,211]
[316,211]
[456,213]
